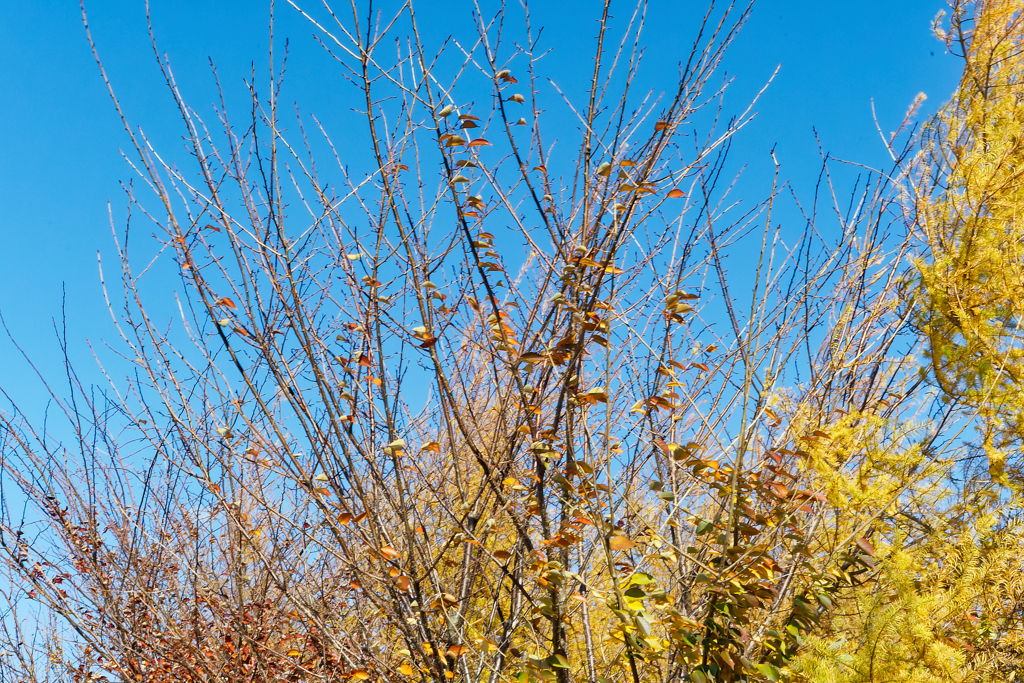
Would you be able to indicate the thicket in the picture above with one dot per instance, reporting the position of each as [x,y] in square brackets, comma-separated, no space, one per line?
[495,411]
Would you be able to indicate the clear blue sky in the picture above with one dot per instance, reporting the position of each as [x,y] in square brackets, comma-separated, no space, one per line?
[60,137]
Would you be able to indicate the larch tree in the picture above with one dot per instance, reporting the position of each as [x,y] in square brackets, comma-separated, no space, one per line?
[968,197]
[947,603]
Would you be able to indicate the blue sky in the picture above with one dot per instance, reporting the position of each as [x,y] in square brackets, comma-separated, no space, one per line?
[60,137]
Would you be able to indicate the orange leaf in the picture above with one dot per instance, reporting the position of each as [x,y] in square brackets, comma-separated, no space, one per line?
[360,675]
[676,194]
[433,447]
[405,669]
[404,583]
[479,142]
[456,651]
[620,543]
[225,302]
[294,653]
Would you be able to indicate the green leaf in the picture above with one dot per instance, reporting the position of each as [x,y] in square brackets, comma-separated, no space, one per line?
[558,662]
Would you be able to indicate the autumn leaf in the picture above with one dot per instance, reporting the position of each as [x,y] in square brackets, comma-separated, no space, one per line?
[455,651]
[865,545]
[620,543]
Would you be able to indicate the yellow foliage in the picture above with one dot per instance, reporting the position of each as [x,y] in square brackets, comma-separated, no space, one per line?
[968,203]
